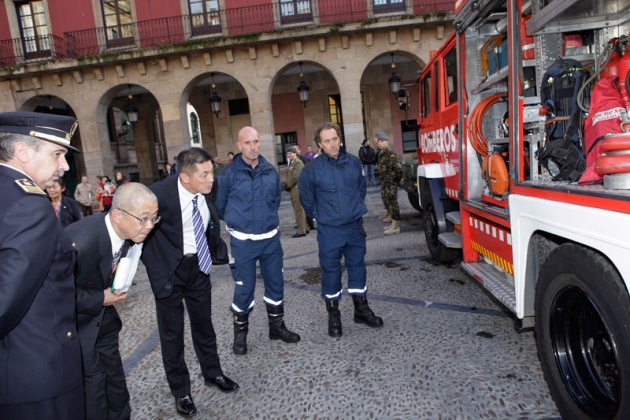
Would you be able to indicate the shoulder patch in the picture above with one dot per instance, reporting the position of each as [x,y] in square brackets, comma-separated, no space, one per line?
[29,186]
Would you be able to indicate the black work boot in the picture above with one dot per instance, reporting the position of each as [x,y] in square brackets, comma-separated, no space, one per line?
[363,314]
[241,324]
[334,318]
[277,329]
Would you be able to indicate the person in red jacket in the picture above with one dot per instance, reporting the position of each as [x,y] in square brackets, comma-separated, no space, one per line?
[106,192]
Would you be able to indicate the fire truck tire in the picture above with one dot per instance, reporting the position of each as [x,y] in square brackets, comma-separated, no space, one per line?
[583,334]
[414,201]
[438,251]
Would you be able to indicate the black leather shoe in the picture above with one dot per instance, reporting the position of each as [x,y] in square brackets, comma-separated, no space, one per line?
[185,406]
[224,383]
[298,235]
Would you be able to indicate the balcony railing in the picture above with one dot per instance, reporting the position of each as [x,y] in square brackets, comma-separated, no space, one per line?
[234,22]
[24,50]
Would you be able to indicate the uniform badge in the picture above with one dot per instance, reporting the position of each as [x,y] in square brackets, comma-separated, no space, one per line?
[29,186]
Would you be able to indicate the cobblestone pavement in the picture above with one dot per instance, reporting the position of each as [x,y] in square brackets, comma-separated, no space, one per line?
[446,351]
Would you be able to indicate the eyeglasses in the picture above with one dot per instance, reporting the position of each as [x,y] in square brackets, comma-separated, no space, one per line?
[145,220]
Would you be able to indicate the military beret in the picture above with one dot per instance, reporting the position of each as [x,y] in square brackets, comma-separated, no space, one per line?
[380,136]
[292,150]
[56,129]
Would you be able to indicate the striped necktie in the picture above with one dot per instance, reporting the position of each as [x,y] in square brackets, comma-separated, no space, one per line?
[116,258]
[203,253]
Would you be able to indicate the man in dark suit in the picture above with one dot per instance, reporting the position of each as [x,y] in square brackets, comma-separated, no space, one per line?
[40,374]
[100,242]
[178,263]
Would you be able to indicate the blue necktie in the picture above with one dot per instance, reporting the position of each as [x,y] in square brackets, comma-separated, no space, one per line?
[203,253]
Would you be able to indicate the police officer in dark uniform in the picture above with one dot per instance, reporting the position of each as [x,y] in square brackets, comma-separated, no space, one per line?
[39,348]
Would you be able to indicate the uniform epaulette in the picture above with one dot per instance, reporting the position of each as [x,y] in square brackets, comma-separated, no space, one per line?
[29,186]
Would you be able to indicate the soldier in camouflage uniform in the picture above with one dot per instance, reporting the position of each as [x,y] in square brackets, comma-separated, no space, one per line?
[390,174]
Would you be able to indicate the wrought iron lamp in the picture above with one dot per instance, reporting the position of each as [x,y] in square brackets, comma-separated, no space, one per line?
[215,99]
[132,111]
[302,88]
[394,81]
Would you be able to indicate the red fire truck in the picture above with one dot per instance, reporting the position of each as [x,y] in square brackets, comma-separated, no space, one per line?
[554,252]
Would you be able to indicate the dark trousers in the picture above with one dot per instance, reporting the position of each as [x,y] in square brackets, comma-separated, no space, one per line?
[194,287]
[86,210]
[246,253]
[335,242]
[106,395]
[62,407]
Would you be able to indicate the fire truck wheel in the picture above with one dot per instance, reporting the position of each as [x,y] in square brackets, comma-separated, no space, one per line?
[413,200]
[583,334]
[438,251]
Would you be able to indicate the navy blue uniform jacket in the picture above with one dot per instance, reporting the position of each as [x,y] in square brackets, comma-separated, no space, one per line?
[333,190]
[40,356]
[254,192]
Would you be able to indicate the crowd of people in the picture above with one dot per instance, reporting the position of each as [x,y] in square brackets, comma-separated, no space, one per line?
[63,270]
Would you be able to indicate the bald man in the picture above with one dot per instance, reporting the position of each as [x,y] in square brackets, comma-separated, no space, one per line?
[248,199]
[100,242]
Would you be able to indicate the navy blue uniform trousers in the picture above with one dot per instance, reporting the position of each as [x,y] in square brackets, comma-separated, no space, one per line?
[335,242]
[246,253]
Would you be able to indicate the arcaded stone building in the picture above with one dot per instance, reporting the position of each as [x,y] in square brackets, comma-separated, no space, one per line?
[173,61]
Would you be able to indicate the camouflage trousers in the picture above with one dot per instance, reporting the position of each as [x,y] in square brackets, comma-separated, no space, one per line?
[389,195]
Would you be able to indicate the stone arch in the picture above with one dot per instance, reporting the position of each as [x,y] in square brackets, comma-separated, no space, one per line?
[218,132]
[51,104]
[292,117]
[375,89]
[135,148]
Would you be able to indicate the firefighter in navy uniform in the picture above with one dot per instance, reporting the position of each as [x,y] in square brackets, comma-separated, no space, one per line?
[332,190]
[40,373]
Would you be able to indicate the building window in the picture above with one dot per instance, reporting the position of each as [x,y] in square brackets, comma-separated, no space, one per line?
[292,11]
[118,23]
[33,28]
[450,65]
[283,142]
[334,111]
[194,128]
[204,16]
[427,95]
[388,6]
[120,128]
[238,106]
[409,130]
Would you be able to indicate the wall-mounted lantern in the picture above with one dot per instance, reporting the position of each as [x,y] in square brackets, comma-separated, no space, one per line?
[302,88]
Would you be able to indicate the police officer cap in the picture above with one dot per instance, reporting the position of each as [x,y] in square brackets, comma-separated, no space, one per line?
[292,150]
[56,129]
[380,136]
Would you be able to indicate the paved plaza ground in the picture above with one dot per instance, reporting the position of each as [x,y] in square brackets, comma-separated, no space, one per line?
[446,351]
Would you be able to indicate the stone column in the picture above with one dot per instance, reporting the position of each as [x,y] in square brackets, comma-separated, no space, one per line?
[176,133]
[262,120]
[95,146]
[350,91]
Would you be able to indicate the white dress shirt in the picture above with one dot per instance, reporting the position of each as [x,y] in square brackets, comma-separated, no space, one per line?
[185,202]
